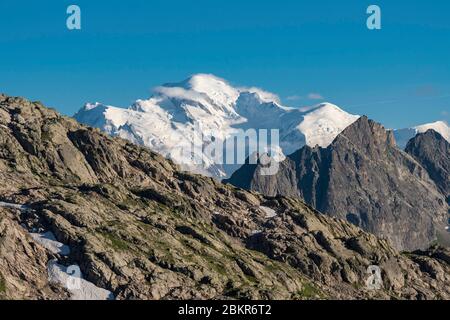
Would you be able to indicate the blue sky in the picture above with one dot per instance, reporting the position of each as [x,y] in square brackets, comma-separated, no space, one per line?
[399,75]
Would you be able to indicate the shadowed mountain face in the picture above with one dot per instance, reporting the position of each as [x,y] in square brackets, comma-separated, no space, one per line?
[140,228]
[432,151]
[364,178]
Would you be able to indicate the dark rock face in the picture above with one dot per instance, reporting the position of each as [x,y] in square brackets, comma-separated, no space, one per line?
[432,151]
[142,229]
[364,178]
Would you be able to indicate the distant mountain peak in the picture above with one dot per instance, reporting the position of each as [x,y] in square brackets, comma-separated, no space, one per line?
[91,106]
[431,133]
[215,88]
[326,106]
[323,123]
[402,136]
[199,80]
[439,126]
[365,132]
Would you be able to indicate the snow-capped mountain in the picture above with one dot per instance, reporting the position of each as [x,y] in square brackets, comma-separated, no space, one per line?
[402,136]
[208,109]
[323,123]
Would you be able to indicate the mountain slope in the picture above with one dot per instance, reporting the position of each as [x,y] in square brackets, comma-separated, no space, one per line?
[361,177]
[140,228]
[206,108]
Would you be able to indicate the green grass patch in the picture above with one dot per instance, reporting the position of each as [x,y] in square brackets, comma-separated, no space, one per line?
[217,266]
[116,242]
[309,292]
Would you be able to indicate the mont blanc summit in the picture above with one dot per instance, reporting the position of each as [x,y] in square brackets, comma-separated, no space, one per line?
[206,105]
[208,109]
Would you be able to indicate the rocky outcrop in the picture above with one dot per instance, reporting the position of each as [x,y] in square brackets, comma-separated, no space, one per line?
[142,229]
[364,178]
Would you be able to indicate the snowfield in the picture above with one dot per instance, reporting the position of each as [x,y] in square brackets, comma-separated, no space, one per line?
[79,288]
[48,241]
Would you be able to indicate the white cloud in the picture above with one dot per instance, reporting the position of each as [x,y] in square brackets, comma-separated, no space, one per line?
[263,95]
[177,92]
[305,108]
[315,96]
[309,96]
[294,97]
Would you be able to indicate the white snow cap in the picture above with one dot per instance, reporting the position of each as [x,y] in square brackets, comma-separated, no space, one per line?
[90,106]
[323,123]
[438,126]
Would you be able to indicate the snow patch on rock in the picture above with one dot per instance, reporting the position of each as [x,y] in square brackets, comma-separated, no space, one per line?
[13,206]
[48,241]
[270,213]
[71,279]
